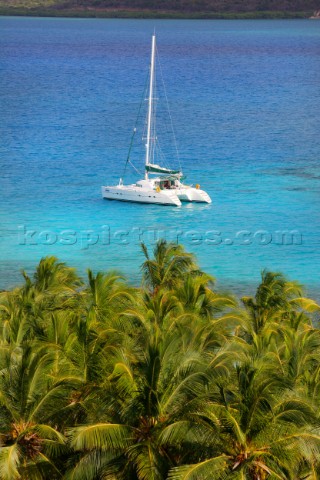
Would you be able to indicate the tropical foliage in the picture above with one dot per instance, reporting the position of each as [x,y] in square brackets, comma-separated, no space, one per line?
[173,380]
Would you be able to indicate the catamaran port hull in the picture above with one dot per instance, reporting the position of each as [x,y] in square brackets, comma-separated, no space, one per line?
[139,195]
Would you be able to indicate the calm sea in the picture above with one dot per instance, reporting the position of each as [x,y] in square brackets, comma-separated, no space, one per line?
[244,99]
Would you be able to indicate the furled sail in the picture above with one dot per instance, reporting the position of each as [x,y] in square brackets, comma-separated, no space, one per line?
[151,168]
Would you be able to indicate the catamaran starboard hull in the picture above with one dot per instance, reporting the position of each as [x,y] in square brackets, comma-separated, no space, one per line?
[190,194]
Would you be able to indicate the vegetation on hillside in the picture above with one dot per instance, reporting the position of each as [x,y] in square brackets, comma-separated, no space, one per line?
[163,8]
[173,380]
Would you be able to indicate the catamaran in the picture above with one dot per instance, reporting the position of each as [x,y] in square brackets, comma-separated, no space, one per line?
[166,187]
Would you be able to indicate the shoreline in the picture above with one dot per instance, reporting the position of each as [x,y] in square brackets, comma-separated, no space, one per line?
[151,14]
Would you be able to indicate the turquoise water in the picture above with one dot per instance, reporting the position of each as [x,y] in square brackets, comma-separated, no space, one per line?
[244,98]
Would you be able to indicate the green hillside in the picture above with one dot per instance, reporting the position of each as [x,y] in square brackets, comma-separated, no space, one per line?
[162,8]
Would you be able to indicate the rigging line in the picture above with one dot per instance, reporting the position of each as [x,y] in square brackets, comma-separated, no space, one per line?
[167,102]
[161,155]
[135,168]
[135,129]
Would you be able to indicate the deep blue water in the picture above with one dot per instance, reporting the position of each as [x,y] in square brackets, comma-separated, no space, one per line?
[244,98]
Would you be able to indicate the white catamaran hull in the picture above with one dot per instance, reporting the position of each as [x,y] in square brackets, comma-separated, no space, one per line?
[132,193]
[190,194]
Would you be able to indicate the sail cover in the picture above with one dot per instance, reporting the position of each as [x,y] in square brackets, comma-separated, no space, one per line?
[151,168]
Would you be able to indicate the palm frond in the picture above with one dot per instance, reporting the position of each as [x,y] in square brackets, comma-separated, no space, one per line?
[9,462]
[149,463]
[213,468]
[104,436]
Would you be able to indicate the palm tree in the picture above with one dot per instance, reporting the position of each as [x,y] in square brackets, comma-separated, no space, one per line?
[107,295]
[54,287]
[31,406]
[196,294]
[277,304]
[244,443]
[259,430]
[52,276]
[14,319]
[93,325]
[36,379]
[169,265]
[154,381]
[272,300]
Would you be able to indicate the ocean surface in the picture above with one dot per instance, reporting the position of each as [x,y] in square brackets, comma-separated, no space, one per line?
[244,99]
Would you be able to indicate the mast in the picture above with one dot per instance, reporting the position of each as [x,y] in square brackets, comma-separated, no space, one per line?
[153,49]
